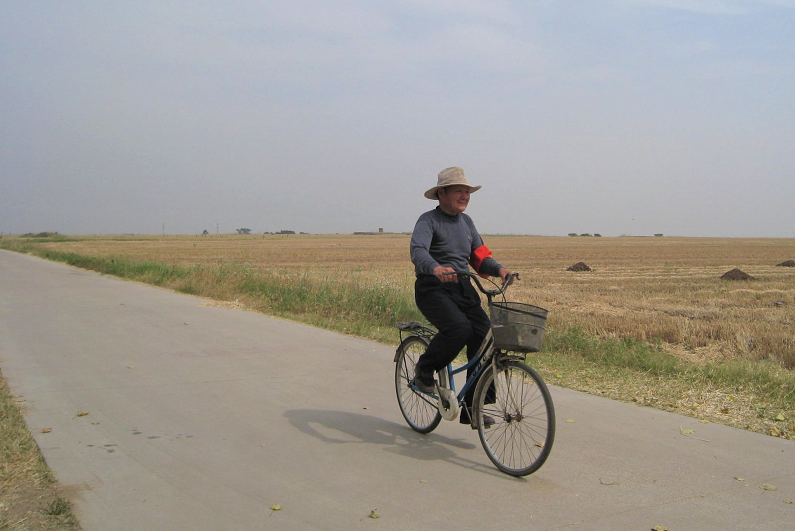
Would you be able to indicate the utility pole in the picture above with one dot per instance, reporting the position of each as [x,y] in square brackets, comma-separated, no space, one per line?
[164,229]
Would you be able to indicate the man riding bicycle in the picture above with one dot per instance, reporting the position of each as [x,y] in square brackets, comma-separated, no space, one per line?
[446,240]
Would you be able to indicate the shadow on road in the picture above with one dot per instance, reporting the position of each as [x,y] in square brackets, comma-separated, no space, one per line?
[341,427]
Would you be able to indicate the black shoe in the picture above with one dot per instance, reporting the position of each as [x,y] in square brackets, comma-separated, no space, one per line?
[426,386]
[488,421]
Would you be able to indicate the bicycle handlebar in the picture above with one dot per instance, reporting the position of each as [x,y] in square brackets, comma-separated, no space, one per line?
[489,292]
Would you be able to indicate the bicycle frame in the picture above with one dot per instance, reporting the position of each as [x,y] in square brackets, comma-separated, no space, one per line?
[486,350]
[481,359]
[484,354]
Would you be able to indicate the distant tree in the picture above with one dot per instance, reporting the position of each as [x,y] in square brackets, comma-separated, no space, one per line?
[658,235]
[41,235]
[597,235]
[205,233]
[585,234]
[573,234]
[243,231]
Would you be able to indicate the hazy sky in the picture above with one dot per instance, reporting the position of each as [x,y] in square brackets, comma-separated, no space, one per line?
[609,116]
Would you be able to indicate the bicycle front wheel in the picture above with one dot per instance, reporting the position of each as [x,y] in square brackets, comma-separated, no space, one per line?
[521,438]
[419,409]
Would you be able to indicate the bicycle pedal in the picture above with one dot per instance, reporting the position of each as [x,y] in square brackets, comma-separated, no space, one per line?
[488,422]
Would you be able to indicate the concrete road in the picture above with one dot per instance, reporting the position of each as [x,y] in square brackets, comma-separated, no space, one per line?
[203,417]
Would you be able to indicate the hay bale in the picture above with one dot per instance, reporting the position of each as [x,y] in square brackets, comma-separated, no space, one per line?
[736,274]
[788,263]
[579,266]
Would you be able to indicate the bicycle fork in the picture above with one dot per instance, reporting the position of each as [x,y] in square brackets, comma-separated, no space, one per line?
[497,367]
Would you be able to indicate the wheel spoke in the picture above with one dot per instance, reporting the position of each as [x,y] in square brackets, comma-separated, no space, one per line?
[418,409]
[521,438]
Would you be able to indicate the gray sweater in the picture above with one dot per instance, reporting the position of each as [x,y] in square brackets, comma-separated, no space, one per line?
[442,239]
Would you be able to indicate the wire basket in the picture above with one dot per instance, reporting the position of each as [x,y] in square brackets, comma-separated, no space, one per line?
[517,326]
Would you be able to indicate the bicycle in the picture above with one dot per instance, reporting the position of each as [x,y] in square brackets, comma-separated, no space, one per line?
[520,440]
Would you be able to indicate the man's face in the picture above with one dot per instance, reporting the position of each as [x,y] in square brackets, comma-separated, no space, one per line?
[453,199]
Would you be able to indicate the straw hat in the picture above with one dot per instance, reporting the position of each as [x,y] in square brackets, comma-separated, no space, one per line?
[450,177]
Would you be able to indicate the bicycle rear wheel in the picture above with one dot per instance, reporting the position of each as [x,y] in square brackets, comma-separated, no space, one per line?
[419,410]
[521,438]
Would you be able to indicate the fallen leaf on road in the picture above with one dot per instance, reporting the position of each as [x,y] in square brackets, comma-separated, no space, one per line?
[767,487]
[82,413]
[276,507]
[659,528]
[46,430]
[787,501]
[374,514]
[570,421]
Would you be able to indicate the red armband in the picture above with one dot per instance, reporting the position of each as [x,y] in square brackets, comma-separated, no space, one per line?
[477,257]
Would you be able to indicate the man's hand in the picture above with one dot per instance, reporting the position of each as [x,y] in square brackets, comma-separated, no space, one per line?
[439,272]
[505,274]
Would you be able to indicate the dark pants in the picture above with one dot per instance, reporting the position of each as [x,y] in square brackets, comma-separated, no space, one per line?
[454,309]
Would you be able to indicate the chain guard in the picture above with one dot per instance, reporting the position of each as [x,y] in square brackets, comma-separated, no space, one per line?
[447,396]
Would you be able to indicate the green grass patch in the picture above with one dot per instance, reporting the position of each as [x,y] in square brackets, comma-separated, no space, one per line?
[345,305]
[620,353]
[764,378]
[45,236]
[155,273]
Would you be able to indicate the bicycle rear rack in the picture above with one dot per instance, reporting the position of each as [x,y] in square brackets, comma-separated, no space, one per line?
[415,328]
